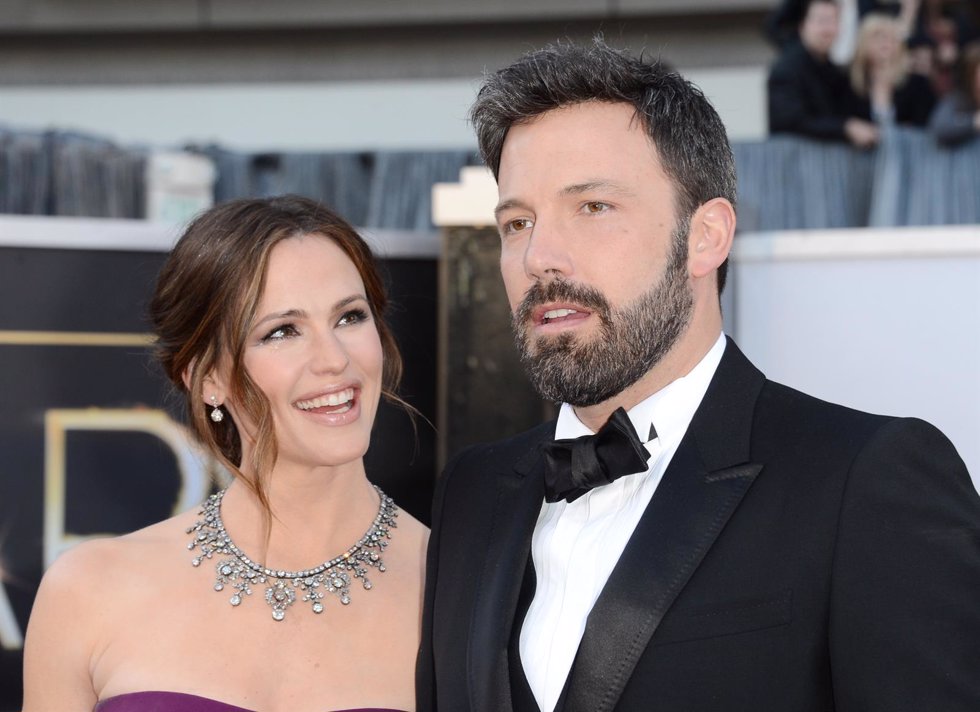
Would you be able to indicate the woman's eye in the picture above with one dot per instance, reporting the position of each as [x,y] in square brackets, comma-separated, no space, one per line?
[354,316]
[280,333]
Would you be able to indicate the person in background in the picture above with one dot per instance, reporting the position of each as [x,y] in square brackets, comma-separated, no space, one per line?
[944,32]
[881,77]
[810,96]
[922,56]
[782,24]
[291,590]
[957,116]
[963,14]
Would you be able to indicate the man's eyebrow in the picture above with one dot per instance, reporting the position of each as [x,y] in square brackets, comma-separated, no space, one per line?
[574,189]
[588,186]
[509,204]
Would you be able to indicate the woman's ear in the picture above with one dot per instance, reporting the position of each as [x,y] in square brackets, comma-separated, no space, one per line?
[712,232]
[213,389]
[188,376]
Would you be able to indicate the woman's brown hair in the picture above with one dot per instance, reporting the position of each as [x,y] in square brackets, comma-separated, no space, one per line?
[204,305]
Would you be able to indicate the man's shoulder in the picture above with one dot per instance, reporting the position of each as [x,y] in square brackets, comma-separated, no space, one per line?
[474,473]
[504,453]
[790,419]
[738,383]
[792,57]
[785,402]
[785,420]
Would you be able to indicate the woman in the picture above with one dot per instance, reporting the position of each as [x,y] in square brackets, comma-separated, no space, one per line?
[957,117]
[880,76]
[268,316]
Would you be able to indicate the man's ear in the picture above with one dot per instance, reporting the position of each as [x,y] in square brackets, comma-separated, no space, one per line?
[710,240]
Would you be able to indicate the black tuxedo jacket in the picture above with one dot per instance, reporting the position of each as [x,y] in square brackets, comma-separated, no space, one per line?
[796,556]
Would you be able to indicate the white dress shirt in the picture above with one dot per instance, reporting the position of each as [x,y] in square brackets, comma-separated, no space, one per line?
[576,545]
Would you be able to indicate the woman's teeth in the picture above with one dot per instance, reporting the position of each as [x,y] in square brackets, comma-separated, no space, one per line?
[331,400]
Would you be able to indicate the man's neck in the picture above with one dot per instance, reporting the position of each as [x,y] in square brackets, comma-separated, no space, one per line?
[678,362]
[818,56]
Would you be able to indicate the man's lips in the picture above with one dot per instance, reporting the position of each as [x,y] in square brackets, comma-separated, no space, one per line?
[559,314]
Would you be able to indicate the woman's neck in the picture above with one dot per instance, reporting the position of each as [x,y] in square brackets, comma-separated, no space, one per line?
[317,513]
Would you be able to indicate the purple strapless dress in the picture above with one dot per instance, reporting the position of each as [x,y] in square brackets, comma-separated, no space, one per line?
[181,702]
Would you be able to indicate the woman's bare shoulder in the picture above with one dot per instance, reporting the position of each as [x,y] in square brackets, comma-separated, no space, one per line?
[90,585]
[89,590]
[411,528]
[106,557]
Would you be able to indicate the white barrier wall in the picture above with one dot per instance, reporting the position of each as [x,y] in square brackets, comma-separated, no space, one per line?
[885,320]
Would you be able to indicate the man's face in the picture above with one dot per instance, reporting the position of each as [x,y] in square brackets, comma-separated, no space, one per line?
[818,31]
[593,262]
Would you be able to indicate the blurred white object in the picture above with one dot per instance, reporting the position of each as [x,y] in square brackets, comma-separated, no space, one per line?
[178,186]
[842,52]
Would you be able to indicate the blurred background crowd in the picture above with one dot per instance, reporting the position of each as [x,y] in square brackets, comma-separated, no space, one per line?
[364,106]
[848,69]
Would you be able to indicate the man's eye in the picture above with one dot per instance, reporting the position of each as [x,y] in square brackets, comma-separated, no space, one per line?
[594,207]
[517,225]
[354,316]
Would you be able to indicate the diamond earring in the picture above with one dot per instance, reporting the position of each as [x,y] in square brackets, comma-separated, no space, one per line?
[217,415]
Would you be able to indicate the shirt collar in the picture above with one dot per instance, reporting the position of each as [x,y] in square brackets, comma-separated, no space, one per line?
[669,410]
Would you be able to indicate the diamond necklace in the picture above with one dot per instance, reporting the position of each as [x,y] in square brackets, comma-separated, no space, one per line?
[240,573]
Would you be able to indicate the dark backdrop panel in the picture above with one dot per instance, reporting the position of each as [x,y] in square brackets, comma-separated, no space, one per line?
[117,481]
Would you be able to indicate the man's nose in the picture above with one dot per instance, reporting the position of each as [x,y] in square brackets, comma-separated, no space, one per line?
[547,254]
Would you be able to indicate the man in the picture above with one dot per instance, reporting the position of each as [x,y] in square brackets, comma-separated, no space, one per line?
[808,94]
[724,542]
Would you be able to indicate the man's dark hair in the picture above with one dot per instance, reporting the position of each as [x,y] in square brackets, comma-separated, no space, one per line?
[685,129]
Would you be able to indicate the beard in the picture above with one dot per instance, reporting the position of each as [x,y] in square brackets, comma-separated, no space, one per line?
[630,342]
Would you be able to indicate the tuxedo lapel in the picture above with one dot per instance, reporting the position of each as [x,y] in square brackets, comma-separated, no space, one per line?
[676,531]
[704,483]
[505,553]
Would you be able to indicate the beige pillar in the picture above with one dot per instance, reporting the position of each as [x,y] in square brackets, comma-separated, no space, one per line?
[483,393]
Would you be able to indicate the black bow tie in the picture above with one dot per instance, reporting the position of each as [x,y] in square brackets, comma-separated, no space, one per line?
[575,466]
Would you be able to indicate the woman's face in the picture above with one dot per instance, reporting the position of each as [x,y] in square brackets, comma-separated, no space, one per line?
[314,351]
[883,45]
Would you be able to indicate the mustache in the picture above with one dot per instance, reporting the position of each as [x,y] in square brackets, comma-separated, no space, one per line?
[560,290]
